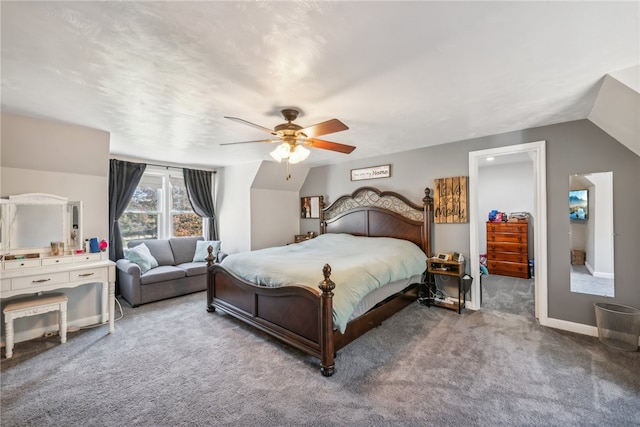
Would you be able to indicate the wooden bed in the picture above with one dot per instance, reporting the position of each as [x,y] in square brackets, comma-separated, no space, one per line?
[303,318]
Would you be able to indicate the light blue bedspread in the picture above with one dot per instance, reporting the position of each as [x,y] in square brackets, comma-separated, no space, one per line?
[358,266]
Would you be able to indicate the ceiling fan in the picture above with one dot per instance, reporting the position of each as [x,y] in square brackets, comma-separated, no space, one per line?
[294,138]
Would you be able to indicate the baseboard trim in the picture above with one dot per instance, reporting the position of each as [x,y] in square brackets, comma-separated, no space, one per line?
[565,325]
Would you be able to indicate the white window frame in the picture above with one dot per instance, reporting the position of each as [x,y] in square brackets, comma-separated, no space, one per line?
[165,224]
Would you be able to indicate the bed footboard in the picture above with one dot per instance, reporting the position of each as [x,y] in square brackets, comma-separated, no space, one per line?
[294,314]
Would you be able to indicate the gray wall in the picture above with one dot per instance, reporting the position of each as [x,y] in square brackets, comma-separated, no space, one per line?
[573,147]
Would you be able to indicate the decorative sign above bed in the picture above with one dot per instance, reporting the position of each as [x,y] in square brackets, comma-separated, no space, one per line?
[450,200]
[383,171]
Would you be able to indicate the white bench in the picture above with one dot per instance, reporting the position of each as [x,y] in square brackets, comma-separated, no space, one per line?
[30,307]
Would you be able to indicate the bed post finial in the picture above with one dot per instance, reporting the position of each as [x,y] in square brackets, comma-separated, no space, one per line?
[327,284]
[427,196]
[427,206]
[210,257]
[327,365]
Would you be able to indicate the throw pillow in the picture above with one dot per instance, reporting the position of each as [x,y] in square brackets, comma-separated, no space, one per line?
[140,255]
[201,249]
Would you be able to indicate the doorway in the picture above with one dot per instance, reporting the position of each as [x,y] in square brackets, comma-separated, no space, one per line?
[536,152]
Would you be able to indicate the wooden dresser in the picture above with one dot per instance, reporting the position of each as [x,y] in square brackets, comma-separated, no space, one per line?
[508,248]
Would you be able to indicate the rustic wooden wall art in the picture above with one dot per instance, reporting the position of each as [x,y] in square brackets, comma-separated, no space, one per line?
[450,200]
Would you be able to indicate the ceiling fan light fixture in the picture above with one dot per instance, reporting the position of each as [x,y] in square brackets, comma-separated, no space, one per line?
[298,155]
[281,152]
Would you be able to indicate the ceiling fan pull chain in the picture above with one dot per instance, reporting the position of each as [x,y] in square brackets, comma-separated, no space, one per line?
[288,175]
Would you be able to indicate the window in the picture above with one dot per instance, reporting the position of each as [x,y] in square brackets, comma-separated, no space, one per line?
[159,208]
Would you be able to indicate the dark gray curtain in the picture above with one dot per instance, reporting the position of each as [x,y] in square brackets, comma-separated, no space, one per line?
[123,180]
[198,184]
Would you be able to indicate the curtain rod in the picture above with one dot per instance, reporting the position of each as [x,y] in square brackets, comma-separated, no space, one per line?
[174,167]
[163,166]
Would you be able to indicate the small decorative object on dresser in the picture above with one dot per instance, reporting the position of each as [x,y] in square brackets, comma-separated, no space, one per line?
[508,248]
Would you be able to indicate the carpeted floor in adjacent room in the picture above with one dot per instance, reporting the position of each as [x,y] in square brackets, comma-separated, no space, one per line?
[173,364]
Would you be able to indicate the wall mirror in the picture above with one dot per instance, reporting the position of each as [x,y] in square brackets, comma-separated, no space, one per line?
[310,207]
[30,222]
[591,233]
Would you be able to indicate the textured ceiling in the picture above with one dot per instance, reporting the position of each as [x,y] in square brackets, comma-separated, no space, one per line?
[160,76]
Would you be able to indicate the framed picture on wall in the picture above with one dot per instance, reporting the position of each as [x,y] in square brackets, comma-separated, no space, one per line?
[310,207]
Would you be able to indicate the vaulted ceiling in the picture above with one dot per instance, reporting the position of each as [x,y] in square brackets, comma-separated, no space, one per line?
[161,76]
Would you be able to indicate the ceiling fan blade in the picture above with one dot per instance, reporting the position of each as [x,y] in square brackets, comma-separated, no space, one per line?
[332,146]
[324,128]
[250,124]
[247,142]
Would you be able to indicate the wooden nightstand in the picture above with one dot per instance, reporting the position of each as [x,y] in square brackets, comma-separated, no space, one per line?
[437,266]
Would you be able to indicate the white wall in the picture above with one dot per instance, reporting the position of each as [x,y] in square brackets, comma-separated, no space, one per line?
[506,188]
[257,206]
[40,156]
[233,201]
[274,215]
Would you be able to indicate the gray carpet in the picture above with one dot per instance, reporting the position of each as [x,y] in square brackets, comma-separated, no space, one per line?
[173,364]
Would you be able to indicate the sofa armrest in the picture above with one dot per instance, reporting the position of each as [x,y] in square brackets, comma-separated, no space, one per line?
[221,256]
[128,281]
[128,267]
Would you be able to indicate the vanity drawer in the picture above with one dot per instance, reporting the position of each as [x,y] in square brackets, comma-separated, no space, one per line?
[5,285]
[21,263]
[39,280]
[97,274]
[87,257]
[57,260]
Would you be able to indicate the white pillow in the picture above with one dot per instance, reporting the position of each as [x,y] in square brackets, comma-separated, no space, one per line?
[140,255]
[201,250]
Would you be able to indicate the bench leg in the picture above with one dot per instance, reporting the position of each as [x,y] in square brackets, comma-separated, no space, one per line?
[63,323]
[8,337]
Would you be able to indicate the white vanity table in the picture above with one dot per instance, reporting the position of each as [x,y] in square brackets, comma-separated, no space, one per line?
[28,225]
[33,275]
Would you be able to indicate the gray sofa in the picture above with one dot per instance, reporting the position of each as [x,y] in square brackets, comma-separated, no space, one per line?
[176,273]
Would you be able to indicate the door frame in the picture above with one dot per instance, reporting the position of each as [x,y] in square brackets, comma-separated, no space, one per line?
[537,153]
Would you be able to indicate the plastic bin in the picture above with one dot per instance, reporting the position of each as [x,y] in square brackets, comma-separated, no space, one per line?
[618,326]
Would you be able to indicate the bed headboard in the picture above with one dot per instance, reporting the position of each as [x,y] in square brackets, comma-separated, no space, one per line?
[374,213]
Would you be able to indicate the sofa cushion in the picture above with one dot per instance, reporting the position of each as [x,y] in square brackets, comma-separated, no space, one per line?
[141,256]
[162,274]
[183,248]
[159,248]
[202,250]
[194,268]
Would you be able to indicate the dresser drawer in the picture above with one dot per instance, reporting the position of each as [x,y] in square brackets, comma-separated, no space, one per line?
[39,280]
[507,227]
[507,237]
[508,269]
[508,256]
[507,247]
[5,285]
[97,274]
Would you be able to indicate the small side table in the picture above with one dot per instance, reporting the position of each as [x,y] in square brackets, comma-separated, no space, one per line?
[437,266]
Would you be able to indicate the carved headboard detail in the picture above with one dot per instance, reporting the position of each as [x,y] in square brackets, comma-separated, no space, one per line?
[374,213]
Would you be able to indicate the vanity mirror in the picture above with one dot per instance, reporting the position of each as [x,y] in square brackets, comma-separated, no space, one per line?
[591,233]
[30,222]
